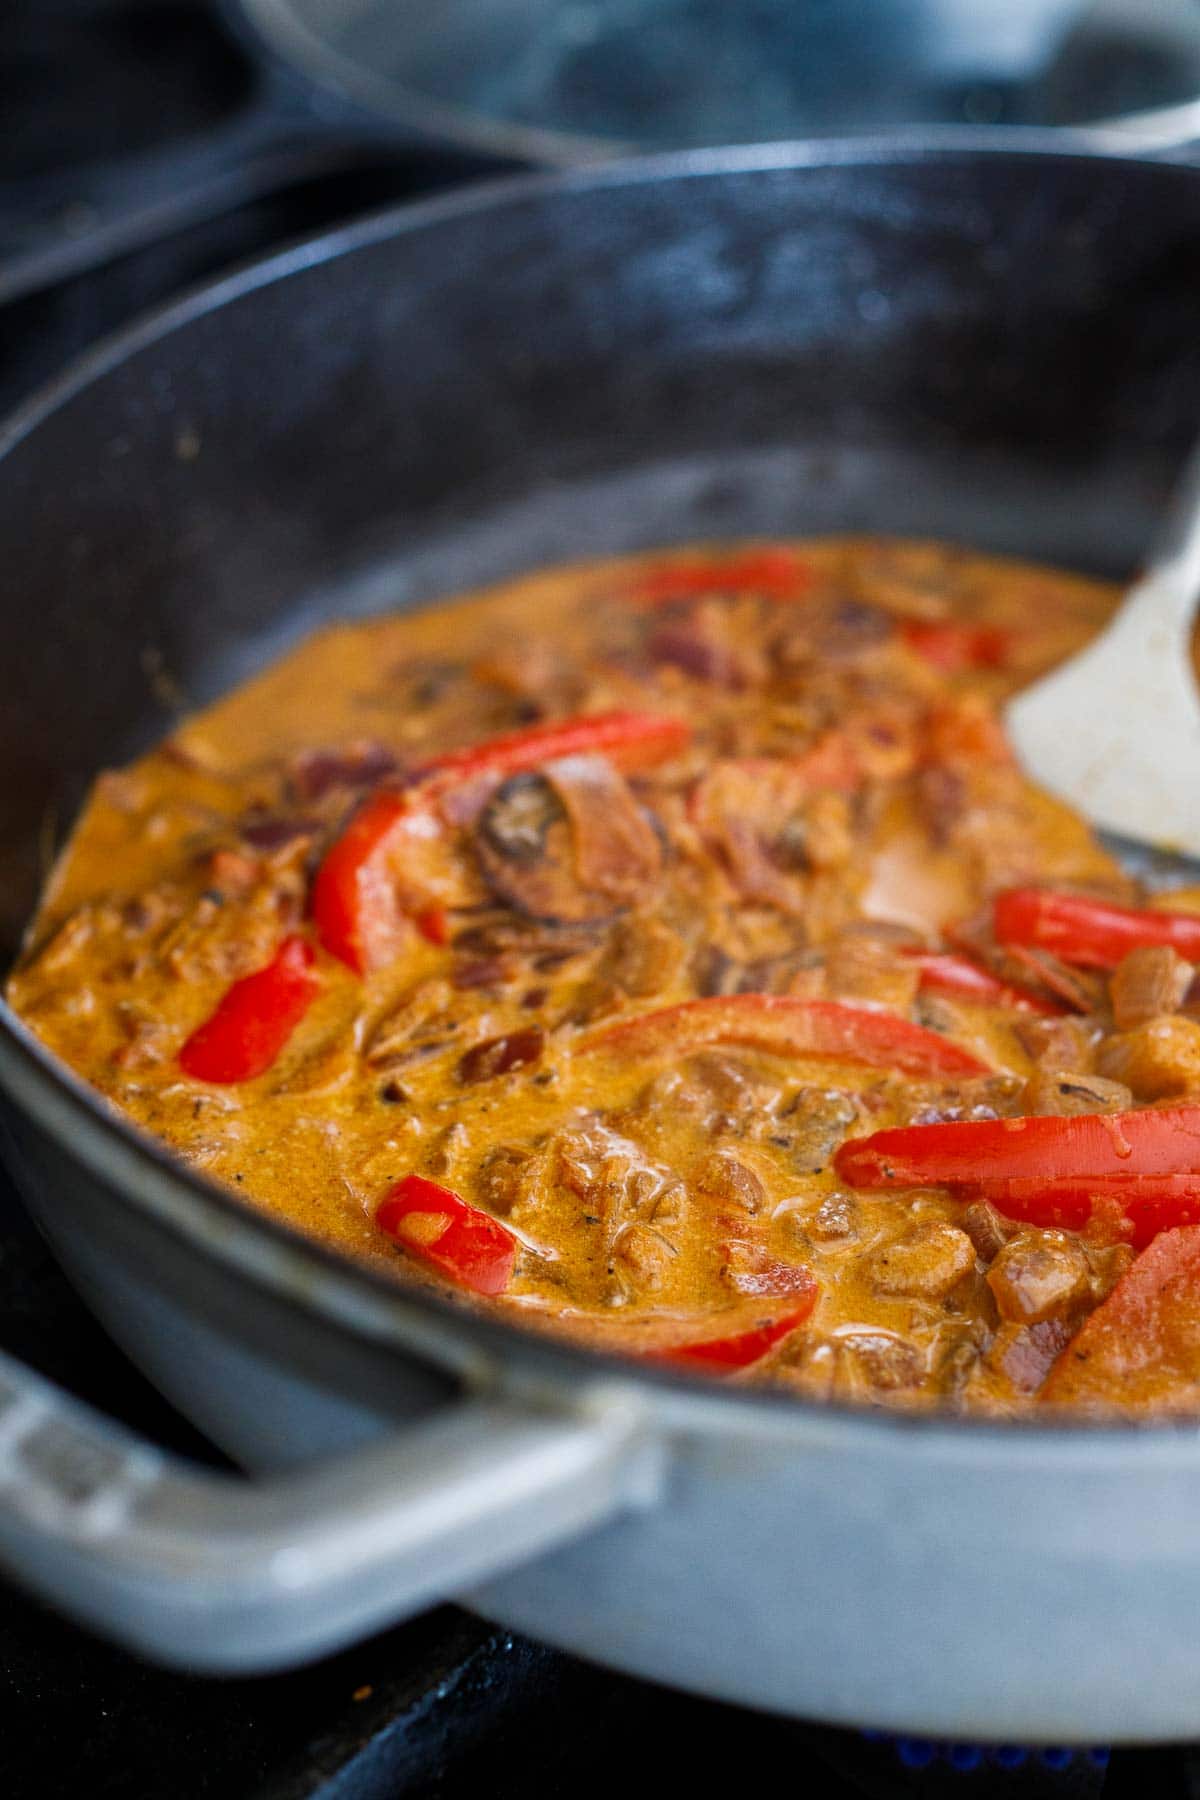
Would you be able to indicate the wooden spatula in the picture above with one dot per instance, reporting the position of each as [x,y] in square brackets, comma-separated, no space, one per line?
[1116,731]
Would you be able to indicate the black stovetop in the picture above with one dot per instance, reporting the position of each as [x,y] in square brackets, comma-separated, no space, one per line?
[99,95]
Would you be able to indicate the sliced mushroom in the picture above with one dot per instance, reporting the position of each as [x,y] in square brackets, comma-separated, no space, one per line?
[569,843]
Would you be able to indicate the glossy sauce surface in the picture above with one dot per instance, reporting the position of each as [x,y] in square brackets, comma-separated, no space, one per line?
[844,799]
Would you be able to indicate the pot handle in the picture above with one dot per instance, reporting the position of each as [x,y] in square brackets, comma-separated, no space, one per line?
[221,1574]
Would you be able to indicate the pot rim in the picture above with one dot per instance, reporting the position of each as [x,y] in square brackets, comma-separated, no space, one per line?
[277,29]
[476,1345]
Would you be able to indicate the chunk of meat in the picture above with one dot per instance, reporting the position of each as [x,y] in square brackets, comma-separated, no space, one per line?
[878,1361]
[750,1269]
[769,825]
[1062,1043]
[506,1177]
[986,1228]
[704,644]
[1157,1060]
[837,629]
[1024,1354]
[315,773]
[860,966]
[927,1264]
[835,1220]
[639,1259]
[642,957]
[726,1178]
[1141,1347]
[420,1021]
[914,580]
[621,1187]
[729,1089]
[989,1097]
[1151,981]
[816,1120]
[1043,1277]
[1069,1094]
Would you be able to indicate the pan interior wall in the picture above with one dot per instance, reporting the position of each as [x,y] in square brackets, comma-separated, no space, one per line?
[995,349]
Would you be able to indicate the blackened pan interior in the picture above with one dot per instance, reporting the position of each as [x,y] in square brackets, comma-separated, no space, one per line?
[996,347]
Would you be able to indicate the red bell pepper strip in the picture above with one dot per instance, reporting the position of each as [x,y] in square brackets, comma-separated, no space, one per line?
[956,648]
[1091,933]
[458,1240]
[965,1153]
[254,1018]
[1140,1206]
[631,740]
[434,925]
[1138,1349]
[1156,1206]
[718,1356]
[787,1026]
[965,733]
[773,574]
[358,900]
[354,903]
[944,973]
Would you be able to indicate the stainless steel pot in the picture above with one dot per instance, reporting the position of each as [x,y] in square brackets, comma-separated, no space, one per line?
[992,345]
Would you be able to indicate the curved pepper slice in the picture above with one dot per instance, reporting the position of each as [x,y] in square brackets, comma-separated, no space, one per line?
[1089,932]
[458,1240]
[775,573]
[1155,1141]
[1140,1206]
[631,740]
[1138,1349]
[355,906]
[384,868]
[955,647]
[941,972]
[785,1026]
[254,1018]
[719,1356]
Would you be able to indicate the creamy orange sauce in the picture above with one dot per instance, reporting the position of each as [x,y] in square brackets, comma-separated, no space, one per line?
[654,1193]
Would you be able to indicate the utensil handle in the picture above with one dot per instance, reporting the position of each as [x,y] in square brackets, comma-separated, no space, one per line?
[1175,554]
[222,1574]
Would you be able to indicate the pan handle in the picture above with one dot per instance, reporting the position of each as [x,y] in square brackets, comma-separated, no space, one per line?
[217,1573]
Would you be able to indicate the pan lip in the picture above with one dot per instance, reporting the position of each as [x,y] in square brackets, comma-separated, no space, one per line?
[278,31]
[400,219]
[141,1173]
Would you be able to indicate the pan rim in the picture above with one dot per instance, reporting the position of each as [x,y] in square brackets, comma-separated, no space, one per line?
[276,30]
[407,1318]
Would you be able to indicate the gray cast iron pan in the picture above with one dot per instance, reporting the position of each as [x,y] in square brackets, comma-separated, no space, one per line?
[996,346]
